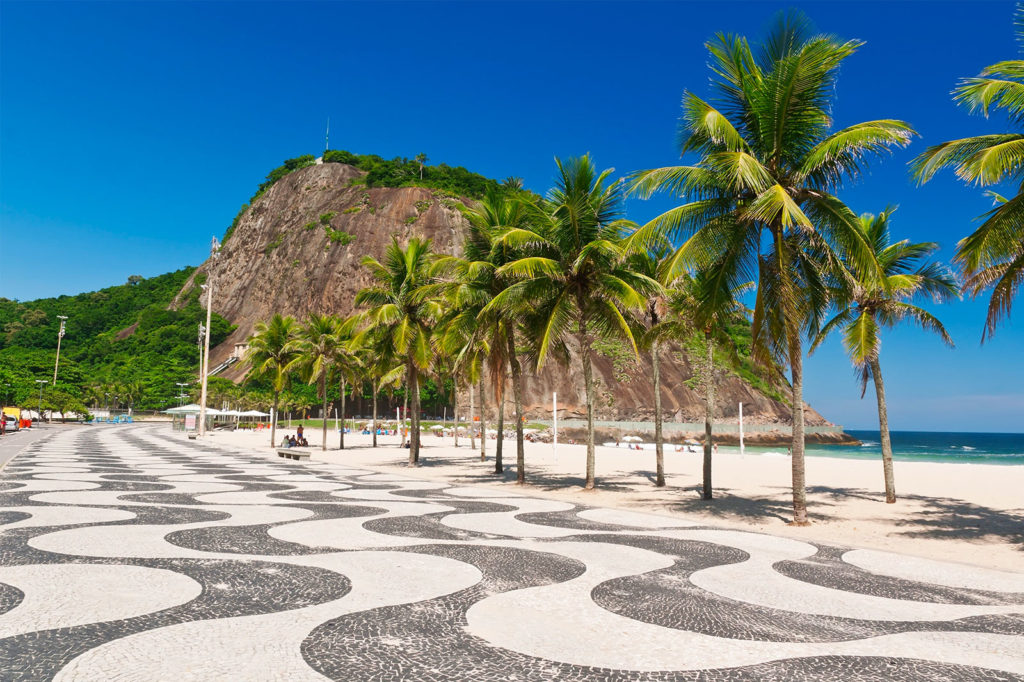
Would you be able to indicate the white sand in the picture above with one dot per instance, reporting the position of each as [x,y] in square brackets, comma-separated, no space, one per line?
[971,513]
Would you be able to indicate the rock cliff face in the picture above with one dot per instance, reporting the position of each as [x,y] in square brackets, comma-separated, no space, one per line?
[281,258]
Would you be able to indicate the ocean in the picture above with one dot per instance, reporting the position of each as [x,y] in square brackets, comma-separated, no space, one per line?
[924,446]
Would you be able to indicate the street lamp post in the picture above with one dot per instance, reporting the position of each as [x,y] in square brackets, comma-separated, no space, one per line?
[60,335]
[40,405]
[181,391]
[199,343]
[205,364]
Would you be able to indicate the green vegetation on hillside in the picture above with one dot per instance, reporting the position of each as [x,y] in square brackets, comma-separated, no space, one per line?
[121,340]
[403,172]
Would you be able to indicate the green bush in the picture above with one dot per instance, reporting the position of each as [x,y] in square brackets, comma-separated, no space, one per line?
[273,244]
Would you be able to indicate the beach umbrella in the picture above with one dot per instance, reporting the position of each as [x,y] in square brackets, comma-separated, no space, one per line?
[633,439]
[436,427]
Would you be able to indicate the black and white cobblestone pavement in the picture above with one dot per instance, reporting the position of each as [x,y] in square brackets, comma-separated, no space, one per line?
[128,553]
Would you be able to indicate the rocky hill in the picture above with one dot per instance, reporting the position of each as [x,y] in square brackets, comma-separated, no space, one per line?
[297,249]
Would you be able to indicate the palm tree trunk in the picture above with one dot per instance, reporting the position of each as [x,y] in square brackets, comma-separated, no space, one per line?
[342,434]
[455,401]
[799,478]
[499,398]
[472,438]
[483,418]
[659,445]
[375,414]
[323,413]
[709,411]
[273,420]
[588,381]
[405,412]
[414,430]
[883,428]
[517,395]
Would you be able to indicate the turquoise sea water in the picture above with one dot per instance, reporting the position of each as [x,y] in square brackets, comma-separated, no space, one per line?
[925,446]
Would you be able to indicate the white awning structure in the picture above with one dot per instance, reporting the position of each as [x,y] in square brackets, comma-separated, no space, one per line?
[253,413]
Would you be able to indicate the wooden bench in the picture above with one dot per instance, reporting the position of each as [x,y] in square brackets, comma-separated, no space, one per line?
[293,453]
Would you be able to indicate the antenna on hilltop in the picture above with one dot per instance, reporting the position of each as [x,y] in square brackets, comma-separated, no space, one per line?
[327,137]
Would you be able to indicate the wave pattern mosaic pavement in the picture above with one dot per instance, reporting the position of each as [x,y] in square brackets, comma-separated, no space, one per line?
[129,553]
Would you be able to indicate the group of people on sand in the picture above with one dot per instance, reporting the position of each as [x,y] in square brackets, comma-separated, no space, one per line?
[298,440]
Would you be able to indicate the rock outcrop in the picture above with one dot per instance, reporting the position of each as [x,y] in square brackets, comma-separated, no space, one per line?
[281,258]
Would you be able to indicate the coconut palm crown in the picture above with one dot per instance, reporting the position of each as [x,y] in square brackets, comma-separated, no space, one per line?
[993,255]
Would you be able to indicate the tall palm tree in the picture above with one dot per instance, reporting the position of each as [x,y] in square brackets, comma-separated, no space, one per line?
[767,168]
[649,263]
[403,307]
[272,347]
[866,306]
[421,159]
[572,281]
[992,255]
[317,351]
[472,283]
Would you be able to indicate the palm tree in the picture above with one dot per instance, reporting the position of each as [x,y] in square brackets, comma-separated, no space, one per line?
[402,306]
[133,391]
[768,166]
[272,347]
[472,283]
[572,281]
[992,255]
[348,368]
[649,263]
[706,302]
[865,306]
[317,352]
[421,159]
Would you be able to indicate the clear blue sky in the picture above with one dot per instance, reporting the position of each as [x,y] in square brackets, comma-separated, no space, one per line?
[130,133]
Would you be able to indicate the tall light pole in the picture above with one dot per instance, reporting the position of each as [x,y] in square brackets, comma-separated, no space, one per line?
[60,335]
[205,364]
[41,382]
[181,391]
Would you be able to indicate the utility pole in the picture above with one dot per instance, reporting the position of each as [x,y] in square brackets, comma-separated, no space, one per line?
[60,335]
[205,364]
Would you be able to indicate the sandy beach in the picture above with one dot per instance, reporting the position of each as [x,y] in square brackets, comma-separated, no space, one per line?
[970,513]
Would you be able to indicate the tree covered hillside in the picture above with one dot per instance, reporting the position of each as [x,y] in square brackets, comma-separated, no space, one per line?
[121,340]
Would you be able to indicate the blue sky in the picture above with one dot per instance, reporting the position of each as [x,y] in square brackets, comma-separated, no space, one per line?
[130,133]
